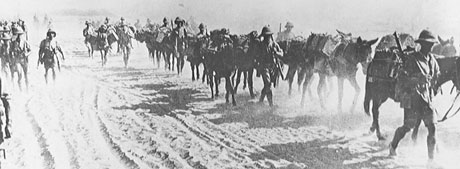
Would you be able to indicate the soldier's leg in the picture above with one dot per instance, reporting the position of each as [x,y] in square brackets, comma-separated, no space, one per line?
[266,79]
[430,122]
[410,118]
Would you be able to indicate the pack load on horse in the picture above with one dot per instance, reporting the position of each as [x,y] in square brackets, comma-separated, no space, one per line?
[344,64]
[382,74]
[19,58]
[102,39]
[48,54]
[220,62]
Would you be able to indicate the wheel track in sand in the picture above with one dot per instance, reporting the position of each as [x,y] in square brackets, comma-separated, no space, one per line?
[48,159]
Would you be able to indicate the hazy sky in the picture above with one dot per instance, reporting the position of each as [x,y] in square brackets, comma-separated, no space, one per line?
[367,17]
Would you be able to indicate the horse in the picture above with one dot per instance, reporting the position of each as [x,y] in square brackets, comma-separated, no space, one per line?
[299,61]
[445,47]
[153,47]
[194,55]
[343,64]
[248,47]
[220,63]
[101,41]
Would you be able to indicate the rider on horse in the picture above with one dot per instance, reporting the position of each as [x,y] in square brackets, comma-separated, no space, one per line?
[47,54]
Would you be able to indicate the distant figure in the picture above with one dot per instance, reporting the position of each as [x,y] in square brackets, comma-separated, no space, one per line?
[22,24]
[287,34]
[47,54]
[138,25]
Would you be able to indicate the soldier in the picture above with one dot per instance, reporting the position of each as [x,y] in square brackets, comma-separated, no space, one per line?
[287,34]
[180,35]
[107,21]
[122,21]
[268,64]
[21,52]
[202,34]
[165,23]
[47,54]
[22,24]
[417,78]
[89,30]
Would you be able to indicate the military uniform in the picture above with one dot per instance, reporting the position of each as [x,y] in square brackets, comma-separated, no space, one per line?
[417,78]
[180,35]
[267,64]
[88,31]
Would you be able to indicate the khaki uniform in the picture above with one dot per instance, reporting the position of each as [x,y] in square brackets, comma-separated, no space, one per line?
[267,68]
[418,76]
[47,52]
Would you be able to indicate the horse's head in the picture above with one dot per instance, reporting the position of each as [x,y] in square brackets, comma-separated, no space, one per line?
[362,50]
[445,47]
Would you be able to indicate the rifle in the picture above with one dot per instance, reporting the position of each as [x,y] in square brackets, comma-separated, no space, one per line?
[277,63]
[398,43]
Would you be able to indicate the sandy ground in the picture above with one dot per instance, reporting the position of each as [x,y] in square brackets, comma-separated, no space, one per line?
[146,117]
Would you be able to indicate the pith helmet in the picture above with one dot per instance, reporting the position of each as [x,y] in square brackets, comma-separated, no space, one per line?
[426,36]
[289,25]
[51,31]
[266,31]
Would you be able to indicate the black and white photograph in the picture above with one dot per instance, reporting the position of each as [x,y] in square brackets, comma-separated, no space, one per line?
[229,84]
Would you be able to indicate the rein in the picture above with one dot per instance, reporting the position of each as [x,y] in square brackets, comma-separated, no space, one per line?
[445,117]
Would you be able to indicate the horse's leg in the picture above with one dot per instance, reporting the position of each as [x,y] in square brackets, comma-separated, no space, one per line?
[211,85]
[193,71]
[376,103]
[197,66]
[340,81]
[158,56]
[310,93]
[320,89]
[250,83]
[172,60]
[238,78]
[204,73]
[245,79]
[216,82]
[290,77]
[229,90]
[306,84]
[355,85]
[301,75]
[329,84]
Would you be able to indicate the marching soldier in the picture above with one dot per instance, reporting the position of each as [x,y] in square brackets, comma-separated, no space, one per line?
[417,78]
[22,24]
[180,35]
[21,52]
[47,54]
[268,64]
[287,34]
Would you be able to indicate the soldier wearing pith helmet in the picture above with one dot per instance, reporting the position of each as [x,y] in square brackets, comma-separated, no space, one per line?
[418,76]
[268,64]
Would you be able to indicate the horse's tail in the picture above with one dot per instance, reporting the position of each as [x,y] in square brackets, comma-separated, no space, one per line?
[367,97]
